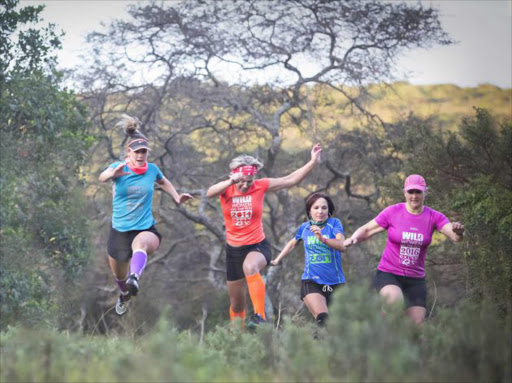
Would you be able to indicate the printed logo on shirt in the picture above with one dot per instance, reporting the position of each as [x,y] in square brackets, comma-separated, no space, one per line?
[241,210]
[410,247]
[320,258]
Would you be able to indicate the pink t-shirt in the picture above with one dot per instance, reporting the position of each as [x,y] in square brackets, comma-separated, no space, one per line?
[409,236]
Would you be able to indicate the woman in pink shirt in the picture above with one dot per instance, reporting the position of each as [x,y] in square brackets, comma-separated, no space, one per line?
[410,225]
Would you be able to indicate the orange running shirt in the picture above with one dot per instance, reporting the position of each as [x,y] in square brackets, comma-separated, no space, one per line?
[243,213]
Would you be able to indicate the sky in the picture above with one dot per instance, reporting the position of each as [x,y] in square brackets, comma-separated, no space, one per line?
[482,29]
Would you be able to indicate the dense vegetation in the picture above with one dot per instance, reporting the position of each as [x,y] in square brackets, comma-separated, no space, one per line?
[362,343]
[56,295]
[43,143]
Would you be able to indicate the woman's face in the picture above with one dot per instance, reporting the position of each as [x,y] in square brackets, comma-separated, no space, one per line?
[319,211]
[414,198]
[138,157]
[244,184]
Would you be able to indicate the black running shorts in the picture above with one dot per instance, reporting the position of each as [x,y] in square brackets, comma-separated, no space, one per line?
[119,244]
[414,289]
[310,287]
[235,257]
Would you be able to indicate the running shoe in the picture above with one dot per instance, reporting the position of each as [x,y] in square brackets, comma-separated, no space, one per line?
[122,304]
[255,321]
[132,284]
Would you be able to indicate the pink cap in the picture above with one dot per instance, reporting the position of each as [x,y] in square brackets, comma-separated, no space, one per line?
[416,182]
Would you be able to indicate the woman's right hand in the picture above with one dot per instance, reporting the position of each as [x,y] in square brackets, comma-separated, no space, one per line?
[119,171]
[235,177]
[274,262]
[349,242]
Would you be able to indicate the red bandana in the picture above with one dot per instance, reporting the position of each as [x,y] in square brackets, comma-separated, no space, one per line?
[247,170]
[136,169]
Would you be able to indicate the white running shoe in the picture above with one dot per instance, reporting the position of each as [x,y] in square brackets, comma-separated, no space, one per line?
[122,304]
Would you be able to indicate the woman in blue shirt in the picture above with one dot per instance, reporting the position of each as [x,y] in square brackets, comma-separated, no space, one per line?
[133,234]
[323,238]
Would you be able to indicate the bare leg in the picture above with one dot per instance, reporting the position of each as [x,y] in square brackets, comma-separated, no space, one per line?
[146,241]
[416,314]
[236,292]
[316,303]
[119,269]
[254,263]
[392,294]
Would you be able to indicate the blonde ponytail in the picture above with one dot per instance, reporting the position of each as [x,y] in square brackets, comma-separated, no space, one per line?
[129,124]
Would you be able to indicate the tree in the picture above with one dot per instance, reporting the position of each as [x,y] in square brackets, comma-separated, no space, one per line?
[164,65]
[43,143]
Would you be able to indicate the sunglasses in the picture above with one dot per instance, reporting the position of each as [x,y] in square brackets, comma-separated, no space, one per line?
[414,191]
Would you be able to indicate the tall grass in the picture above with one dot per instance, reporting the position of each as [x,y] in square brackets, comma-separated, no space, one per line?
[365,341]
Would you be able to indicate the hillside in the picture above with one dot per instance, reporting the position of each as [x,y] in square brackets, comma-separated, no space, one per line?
[446,103]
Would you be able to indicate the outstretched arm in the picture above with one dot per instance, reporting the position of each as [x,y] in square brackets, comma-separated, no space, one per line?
[298,175]
[286,250]
[167,187]
[453,231]
[363,233]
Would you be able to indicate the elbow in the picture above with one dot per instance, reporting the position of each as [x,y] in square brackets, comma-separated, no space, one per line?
[210,193]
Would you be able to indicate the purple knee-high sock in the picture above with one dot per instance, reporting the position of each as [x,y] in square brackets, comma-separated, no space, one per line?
[138,262]
[122,285]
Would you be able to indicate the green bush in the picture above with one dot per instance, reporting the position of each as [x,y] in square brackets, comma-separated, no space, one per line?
[365,341]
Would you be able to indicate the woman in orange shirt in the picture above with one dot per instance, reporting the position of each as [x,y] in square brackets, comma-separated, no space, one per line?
[247,249]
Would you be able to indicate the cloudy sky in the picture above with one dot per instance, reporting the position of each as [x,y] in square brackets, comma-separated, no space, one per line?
[483,30]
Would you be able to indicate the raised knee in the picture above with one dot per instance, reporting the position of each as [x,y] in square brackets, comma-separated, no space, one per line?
[251,269]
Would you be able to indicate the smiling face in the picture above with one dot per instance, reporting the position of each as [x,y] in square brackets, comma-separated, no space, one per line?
[138,157]
[414,199]
[319,211]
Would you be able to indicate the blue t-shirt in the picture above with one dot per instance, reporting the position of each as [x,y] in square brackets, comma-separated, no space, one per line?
[322,263]
[132,198]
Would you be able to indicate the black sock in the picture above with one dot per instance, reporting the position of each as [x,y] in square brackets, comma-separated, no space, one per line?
[321,319]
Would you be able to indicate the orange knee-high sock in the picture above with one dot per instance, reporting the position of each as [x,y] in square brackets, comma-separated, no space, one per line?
[256,288]
[233,315]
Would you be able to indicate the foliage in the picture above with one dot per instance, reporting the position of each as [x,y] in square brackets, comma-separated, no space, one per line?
[43,144]
[25,49]
[362,343]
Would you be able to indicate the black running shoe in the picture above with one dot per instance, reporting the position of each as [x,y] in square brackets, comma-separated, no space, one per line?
[132,284]
[255,321]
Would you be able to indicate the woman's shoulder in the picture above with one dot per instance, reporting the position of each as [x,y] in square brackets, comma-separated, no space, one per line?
[432,211]
[395,207]
[262,182]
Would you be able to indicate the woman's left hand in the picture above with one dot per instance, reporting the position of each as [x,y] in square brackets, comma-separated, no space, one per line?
[458,228]
[184,198]
[317,232]
[316,153]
